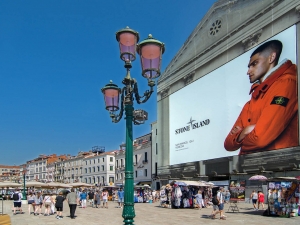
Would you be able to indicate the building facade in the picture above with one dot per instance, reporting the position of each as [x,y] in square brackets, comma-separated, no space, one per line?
[9,173]
[208,76]
[36,169]
[120,166]
[99,169]
[142,159]
[73,167]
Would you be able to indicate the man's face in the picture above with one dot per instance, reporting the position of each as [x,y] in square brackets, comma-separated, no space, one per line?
[258,67]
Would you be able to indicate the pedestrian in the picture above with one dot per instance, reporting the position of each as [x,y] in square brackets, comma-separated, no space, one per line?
[30,200]
[105,198]
[38,201]
[83,197]
[261,199]
[17,197]
[91,195]
[219,202]
[72,201]
[227,196]
[47,202]
[59,203]
[53,201]
[78,197]
[199,200]
[121,198]
[154,195]
[254,197]
[97,199]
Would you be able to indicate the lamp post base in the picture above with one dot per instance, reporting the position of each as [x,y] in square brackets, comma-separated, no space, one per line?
[128,213]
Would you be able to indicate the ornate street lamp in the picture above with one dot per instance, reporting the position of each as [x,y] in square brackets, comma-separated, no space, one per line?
[150,51]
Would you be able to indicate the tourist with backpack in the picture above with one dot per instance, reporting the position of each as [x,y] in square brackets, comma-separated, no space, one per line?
[17,198]
[218,204]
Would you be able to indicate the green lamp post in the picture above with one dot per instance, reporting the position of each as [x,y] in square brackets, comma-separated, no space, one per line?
[150,51]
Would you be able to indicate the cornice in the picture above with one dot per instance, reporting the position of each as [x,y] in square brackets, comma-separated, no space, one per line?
[188,78]
[164,92]
[216,44]
[252,40]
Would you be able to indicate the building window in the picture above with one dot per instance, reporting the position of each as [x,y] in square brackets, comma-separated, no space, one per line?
[111,159]
[117,177]
[156,150]
[90,161]
[135,173]
[90,169]
[135,157]
[111,180]
[85,162]
[102,159]
[146,156]
[122,162]
[94,169]
[98,160]
[94,161]
[111,168]
[156,169]
[98,168]
[145,172]
[85,170]
[156,131]
[117,163]
[102,167]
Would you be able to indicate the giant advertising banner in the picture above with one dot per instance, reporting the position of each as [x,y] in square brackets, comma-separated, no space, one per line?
[214,109]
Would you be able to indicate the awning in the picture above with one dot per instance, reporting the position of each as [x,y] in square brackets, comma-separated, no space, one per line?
[221,183]
[190,183]
[144,182]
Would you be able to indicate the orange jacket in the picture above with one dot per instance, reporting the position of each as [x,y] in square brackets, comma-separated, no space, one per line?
[273,109]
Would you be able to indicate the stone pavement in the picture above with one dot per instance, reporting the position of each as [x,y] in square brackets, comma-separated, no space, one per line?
[147,214]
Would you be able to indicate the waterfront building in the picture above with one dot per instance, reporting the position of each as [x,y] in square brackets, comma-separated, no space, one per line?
[99,168]
[9,173]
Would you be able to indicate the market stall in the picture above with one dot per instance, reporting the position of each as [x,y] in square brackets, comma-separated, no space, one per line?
[283,197]
[182,193]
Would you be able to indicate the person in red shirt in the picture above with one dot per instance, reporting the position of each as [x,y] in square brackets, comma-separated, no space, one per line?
[269,120]
[261,199]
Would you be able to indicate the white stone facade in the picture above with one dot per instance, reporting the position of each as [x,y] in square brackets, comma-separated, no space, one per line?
[99,169]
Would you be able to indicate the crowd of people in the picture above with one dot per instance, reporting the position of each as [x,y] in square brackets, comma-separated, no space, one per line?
[47,203]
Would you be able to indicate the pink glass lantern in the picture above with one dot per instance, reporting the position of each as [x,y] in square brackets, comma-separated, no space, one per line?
[111,94]
[127,39]
[150,51]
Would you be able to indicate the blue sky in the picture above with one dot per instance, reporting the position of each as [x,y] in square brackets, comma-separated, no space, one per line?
[56,55]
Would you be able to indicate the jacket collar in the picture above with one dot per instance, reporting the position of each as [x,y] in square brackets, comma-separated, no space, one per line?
[269,78]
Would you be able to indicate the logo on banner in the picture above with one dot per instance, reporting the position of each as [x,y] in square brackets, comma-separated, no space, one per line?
[193,124]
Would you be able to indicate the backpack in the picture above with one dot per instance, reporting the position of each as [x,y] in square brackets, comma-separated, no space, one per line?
[16,197]
[215,200]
